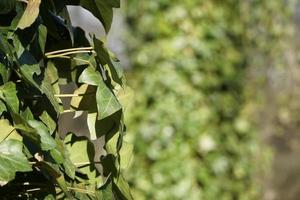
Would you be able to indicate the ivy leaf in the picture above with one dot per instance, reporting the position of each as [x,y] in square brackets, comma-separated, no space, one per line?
[8,131]
[29,71]
[8,93]
[52,73]
[47,119]
[12,160]
[91,122]
[90,76]
[82,155]
[121,189]
[42,37]
[107,103]
[126,152]
[86,99]
[33,75]
[47,142]
[62,156]
[4,73]
[2,107]
[104,59]
[30,14]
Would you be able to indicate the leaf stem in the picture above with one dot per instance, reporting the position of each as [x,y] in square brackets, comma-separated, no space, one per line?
[81,190]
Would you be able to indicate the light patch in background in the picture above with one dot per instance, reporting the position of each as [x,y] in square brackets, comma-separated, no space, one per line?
[84,19]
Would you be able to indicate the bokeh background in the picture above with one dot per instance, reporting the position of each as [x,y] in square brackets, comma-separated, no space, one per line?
[213,109]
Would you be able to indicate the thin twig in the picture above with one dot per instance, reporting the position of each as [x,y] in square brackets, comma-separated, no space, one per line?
[81,190]
[24,1]
[68,111]
[70,53]
[68,95]
[68,50]
[73,95]
[86,163]
[8,134]
[34,190]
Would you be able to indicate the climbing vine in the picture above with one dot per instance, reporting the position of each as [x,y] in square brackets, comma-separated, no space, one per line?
[40,51]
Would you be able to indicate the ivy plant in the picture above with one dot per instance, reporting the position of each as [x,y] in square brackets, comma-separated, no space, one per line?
[39,52]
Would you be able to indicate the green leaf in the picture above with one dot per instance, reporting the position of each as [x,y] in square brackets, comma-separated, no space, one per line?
[12,160]
[126,152]
[6,6]
[30,14]
[22,125]
[42,37]
[32,74]
[107,193]
[29,71]
[52,74]
[90,76]
[107,103]
[2,107]
[82,155]
[47,142]
[4,72]
[47,119]
[8,131]
[8,94]
[104,59]
[91,122]
[62,156]
[122,189]
[86,99]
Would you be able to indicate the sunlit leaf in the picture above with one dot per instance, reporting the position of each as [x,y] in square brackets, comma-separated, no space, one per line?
[30,14]
[8,131]
[82,155]
[107,103]
[8,93]
[12,160]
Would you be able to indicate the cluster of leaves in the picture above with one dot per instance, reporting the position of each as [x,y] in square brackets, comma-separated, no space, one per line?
[39,52]
[192,134]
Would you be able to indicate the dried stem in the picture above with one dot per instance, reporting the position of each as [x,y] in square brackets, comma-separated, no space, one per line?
[24,1]
[70,53]
[68,50]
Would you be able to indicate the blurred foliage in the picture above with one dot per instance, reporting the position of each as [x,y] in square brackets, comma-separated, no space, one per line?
[193,137]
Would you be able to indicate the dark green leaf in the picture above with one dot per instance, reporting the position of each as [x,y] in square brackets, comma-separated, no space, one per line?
[47,142]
